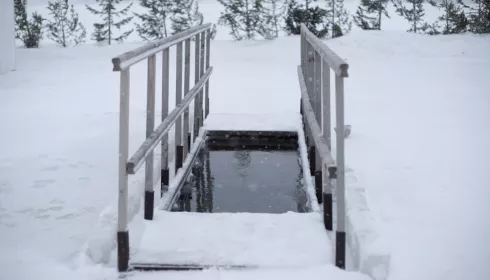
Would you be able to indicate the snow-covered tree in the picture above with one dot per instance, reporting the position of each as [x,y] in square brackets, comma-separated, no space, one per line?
[154,21]
[453,20]
[112,19]
[414,12]
[338,19]
[369,14]
[185,15]
[65,27]
[271,14]
[315,18]
[478,16]
[29,31]
[243,17]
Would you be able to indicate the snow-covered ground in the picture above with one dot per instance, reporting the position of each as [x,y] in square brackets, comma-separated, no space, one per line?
[419,107]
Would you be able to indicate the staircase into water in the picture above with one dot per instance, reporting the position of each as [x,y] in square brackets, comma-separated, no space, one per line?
[248,188]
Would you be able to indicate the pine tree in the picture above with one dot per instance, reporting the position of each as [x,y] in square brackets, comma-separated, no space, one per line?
[338,19]
[313,17]
[213,32]
[65,28]
[271,14]
[242,16]
[185,15]
[369,14]
[453,20]
[478,16]
[413,12]
[30,32]
[154,21]
[105,31]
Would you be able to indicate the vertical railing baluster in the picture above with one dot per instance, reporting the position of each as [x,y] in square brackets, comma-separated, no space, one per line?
[196,79]
[340,158]
[208,54]
[187,77]
[310,60]
[122,209]
[302,61]
[179,148]
[327,174]
[201,73]
[165,174]
[326,107]
[150,126]
[302,51]
[318,114]
[207,169]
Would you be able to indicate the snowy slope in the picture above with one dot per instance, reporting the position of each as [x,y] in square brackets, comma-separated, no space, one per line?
[7,46]
[418,147]
[420,110]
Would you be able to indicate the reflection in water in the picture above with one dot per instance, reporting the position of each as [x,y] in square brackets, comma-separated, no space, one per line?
[242,161]
[244,181]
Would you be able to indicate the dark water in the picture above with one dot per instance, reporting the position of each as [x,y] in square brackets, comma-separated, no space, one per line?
[255,181]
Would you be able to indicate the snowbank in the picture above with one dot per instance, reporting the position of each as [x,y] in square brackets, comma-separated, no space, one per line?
[7,44]
[415,104]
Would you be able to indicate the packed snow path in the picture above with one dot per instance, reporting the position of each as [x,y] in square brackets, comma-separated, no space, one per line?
[235,239]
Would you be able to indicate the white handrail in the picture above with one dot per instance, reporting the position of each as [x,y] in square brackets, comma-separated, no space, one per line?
[314,77]
[129,58]
[144,154]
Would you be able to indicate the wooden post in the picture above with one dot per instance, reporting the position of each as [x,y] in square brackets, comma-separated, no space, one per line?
[179,148]
[122,209]
[165,173]
[150,125]
[197,76]
[187,76]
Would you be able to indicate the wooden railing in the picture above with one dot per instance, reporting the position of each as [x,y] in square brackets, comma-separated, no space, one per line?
[199,93]
[314,75]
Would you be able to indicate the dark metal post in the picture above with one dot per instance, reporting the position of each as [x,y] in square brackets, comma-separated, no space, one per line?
[329,176]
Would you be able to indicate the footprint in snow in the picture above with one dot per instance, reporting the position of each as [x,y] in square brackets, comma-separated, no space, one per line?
[42,183]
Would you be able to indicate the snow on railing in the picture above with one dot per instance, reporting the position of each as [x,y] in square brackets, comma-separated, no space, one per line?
[329,173]
[183,135]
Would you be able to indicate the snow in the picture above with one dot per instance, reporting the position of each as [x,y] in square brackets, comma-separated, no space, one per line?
[327,271]
[253,122]
[269,240]
[7,44]
[417,145]
[419,109]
